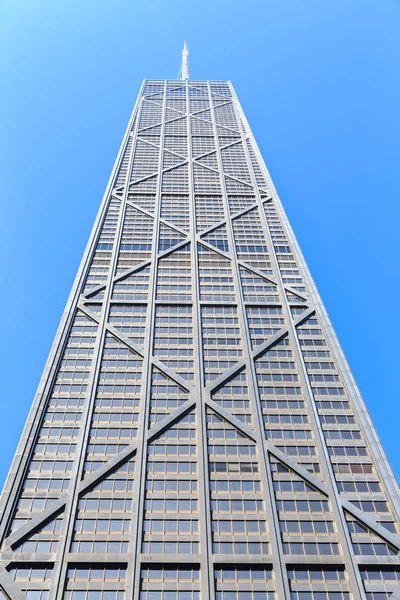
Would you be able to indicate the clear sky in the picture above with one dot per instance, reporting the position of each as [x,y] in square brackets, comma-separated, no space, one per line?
[319,82]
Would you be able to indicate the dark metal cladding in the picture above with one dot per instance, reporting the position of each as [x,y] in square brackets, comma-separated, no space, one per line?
[197,433]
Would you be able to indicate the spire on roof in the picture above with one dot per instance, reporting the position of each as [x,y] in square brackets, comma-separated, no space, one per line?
[185,62]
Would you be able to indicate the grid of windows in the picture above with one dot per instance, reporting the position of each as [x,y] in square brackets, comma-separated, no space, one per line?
[174,277]
[100,266]
[119,379]
[313,532]
[165,395]
[168,237]
[170,583]
[136,237]
[209,210]
[104,515]
[265,321]
[222,346]
[285,414]
[133,287]
[146,155]
[319,584]
[145,201]
[173,333]
[250,241]
[243,582]
[380,583]
[171,515]
[95,583]
[218,238]
[238,515]
[129,319]
[234,396]
[215,277]
[175,209]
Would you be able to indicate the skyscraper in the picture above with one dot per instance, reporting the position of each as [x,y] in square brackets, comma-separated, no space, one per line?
[197,433]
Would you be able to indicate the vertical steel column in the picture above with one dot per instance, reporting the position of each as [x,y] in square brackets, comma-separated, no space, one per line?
[206,566]
[343,534]
[282,588]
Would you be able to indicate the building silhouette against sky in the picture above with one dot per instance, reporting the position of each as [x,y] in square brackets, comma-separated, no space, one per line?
[197,433]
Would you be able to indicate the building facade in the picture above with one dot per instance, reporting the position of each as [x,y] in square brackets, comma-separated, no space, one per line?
[197,433]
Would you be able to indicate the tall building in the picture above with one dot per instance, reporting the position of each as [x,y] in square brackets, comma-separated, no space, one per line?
[197,433]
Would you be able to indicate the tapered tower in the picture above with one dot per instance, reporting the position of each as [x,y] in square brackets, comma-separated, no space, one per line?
[197,433]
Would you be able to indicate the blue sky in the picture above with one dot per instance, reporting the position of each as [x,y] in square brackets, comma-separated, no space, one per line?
[320,85]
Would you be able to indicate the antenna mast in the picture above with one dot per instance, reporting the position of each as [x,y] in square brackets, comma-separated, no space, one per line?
[185,62]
